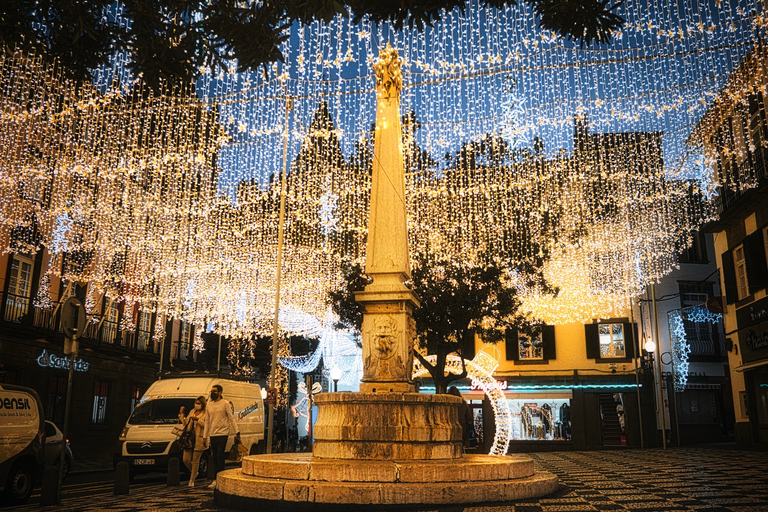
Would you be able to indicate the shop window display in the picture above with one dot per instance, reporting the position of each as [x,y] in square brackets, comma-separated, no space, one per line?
[547,419]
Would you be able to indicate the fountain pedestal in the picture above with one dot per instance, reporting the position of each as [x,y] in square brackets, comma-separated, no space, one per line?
[387,426]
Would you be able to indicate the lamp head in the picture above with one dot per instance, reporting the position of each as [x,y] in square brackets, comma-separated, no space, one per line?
[335,373]
[650,346]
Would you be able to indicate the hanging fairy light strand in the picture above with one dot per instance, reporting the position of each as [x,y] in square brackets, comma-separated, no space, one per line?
[520,149]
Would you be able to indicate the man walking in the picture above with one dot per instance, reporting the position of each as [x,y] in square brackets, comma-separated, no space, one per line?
[219,424]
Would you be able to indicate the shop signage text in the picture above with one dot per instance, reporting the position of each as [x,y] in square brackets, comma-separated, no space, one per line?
[752,313]
[476,385]
[755,341]
[47,360]
[690,374]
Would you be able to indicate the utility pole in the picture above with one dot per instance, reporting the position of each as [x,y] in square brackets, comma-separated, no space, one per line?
[278,273]
[73,323]
[638,354]
[659,367]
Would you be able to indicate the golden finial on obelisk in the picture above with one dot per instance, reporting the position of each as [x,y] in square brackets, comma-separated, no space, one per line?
[389,77]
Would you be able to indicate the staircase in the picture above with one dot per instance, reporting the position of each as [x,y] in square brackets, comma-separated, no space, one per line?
[610,428]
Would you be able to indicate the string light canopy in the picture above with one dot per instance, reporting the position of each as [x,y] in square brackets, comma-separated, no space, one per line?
[520,149]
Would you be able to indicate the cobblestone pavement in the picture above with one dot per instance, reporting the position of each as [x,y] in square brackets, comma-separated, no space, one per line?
[687,479]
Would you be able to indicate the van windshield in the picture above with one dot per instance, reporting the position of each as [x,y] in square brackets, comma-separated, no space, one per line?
[160,410]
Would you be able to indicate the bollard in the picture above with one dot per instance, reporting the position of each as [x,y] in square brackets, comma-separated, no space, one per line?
[173,472]
[122,478]
[50,492]
[211,468]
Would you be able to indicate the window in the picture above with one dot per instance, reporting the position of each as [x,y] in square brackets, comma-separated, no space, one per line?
[100,397]
[184,340]
[765,243]
[19,287]
[108,332]
[57,395]
[137,391]
[703,337]
[697,252]
[530,343]
[143,328]
[531,347]
[611,340]
[740,266]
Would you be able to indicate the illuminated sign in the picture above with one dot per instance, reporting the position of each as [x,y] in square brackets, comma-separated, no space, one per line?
[476,385]
[47,360]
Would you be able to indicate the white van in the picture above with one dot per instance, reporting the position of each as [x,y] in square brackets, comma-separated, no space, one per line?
[22,442]
[147,440]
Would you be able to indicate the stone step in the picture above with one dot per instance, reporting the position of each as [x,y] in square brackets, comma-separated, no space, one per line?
[237,490]
[470,468]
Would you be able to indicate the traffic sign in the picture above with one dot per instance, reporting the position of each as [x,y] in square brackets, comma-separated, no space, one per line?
[73,317]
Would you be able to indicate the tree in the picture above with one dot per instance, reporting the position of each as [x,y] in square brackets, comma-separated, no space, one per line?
[172,40]
[457,302]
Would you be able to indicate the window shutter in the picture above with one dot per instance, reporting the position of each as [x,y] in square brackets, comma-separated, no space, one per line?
[593,341]
[510,342]
[468,344]
[630,335]
[548,338]
[754,253]
[729,278]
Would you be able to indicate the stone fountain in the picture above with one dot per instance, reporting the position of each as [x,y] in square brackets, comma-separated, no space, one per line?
[387,446]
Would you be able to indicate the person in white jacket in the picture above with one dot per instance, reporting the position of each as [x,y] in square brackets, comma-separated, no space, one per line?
[219,424]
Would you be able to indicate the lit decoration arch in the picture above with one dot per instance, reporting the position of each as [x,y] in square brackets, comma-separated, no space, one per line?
[480,369]
[336,347]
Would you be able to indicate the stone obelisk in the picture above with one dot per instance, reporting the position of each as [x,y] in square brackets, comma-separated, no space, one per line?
[388,328]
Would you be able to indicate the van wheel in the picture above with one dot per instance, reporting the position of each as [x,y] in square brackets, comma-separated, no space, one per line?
[18,489]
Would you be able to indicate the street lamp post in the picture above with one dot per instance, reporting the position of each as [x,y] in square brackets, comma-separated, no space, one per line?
[335,376]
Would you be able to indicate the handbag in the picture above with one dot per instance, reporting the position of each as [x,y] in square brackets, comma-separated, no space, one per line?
[187,439]
[177,430]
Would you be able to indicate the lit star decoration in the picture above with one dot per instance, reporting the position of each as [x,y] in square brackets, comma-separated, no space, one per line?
[681,348]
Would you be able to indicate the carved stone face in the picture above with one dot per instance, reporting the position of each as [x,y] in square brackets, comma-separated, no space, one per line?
[385,336]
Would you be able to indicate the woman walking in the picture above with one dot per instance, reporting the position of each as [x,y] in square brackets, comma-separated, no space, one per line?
[195,423]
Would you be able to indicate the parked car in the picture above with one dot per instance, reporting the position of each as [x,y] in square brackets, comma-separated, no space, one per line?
[53,441]
[22,448]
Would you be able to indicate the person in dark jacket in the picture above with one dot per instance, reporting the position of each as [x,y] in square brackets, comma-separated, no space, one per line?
[465,415]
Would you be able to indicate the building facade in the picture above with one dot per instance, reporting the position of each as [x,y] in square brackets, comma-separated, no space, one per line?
[116,363]
[586,385]
[734,136]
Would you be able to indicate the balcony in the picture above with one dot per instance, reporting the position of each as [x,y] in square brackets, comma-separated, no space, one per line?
[755,168]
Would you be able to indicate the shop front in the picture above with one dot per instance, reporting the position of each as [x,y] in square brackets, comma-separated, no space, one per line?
[752,321]
[563,416]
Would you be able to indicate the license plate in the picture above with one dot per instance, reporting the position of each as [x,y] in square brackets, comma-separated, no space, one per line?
[143,462]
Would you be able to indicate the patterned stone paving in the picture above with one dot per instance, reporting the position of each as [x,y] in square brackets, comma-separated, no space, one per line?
[687,479]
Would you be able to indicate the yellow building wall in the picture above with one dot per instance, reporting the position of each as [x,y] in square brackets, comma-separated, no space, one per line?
[570,355]
[738,385]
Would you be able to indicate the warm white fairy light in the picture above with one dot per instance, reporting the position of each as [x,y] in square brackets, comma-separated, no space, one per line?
[167,202]
[480,370]
[43,298]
